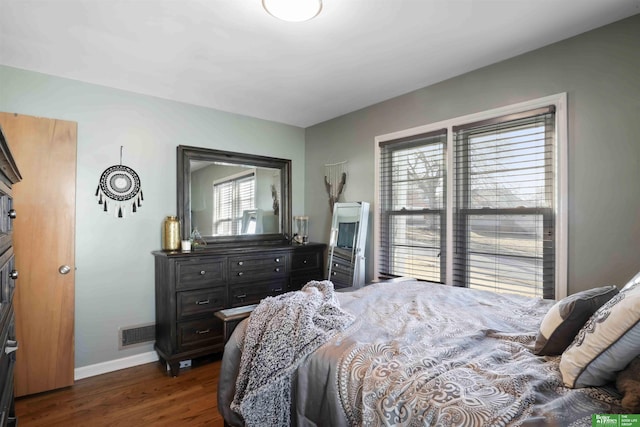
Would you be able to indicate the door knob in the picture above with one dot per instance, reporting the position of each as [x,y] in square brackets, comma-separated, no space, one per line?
[12,214]
[11,346]
[13,274]
[64,269]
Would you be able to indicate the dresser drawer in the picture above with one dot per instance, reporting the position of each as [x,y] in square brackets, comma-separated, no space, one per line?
[6,398]
[200,333]
[194,303]
[5,358]
[7,282]
[201,273]
[258,267]
[7,361]
[306,260]
[254,292]
[341,265]
[340,278]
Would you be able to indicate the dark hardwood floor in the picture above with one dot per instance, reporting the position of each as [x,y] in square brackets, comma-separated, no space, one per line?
[140,396]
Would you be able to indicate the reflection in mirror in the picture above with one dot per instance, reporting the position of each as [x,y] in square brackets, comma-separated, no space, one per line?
[230,197]
[347,241]
[252,221]
[228,200]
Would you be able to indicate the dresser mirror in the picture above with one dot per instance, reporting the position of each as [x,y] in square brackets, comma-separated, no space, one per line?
[233,197]
[347,244]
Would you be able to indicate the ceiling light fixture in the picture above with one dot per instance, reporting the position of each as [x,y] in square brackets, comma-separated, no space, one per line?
[293,10]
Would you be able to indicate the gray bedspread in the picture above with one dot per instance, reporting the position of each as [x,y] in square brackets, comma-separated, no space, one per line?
[281,331]
[427,354]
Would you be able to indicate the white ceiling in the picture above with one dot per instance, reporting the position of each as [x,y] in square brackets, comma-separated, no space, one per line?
[232,56]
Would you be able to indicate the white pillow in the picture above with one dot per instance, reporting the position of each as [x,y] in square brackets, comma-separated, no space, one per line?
[607,342]
[633,282]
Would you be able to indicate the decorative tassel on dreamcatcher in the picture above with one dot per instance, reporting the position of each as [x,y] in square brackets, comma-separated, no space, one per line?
[335,177]
[119,188]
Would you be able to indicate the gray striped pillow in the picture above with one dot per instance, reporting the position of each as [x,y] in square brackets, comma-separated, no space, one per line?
[563,321]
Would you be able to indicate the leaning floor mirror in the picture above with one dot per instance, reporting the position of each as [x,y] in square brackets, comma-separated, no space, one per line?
[347,244]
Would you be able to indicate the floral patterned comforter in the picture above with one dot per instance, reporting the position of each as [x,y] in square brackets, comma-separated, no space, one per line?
[427,354]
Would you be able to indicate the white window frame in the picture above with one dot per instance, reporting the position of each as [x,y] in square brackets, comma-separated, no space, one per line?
[561,167]
[235,177]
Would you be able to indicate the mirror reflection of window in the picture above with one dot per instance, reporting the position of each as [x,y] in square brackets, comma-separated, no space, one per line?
[219,197]
[232,196]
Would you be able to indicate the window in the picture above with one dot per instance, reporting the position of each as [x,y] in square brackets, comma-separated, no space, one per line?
[477,201]
[504,204]
[232,197]
[413,201]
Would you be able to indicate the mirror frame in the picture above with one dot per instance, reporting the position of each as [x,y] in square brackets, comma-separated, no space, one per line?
[184,156]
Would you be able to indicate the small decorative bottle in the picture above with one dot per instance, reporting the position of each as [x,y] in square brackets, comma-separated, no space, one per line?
[171,234]
[196,239]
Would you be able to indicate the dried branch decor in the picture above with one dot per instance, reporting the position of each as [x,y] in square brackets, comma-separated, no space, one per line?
[335,178]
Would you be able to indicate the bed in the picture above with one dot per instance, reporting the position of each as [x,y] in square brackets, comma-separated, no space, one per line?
[417,353]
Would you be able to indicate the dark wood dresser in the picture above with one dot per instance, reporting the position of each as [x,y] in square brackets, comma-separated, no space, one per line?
[192,286]
[9,175]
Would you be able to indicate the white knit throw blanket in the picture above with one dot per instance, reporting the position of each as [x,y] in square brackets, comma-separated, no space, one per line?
[281,331]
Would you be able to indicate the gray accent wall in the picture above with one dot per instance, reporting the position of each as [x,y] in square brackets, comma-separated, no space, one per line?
[115,269]
[600,72]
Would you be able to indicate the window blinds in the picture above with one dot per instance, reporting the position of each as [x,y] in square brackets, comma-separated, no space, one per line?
[504,204]
[412,207]
[231,199]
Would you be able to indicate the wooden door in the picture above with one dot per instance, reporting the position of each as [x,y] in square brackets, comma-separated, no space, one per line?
[44,240]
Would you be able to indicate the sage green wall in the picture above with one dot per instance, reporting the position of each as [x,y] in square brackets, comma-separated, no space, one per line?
[115,274]
[599,70]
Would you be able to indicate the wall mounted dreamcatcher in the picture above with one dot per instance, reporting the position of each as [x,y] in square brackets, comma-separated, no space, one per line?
[119,187]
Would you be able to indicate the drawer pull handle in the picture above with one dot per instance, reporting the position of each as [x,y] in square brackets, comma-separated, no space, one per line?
[277,260]
[12,213]
[202,272]
[14,274]
[277,269]
[240,262]
[240,273]
[206,331]
[241,296]
[335,273]
[203,302]
[336,265]
[277,290]
[304,262]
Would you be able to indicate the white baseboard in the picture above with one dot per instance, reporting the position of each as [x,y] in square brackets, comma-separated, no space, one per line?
[115,365]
